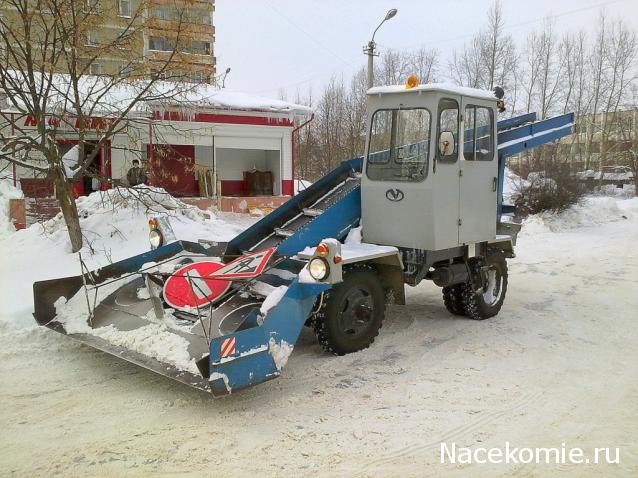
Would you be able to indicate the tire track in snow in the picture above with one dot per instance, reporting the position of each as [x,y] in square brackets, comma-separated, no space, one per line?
[454,433]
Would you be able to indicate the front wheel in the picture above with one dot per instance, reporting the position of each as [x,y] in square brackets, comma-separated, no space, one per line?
[352,313]
[487,302]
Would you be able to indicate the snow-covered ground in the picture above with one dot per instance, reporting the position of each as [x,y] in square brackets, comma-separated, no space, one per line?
[559,364]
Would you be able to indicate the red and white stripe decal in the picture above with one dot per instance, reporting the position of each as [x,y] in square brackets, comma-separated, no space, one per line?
[228,347]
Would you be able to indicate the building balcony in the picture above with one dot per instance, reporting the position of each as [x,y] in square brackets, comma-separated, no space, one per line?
[203,4]
[195,30]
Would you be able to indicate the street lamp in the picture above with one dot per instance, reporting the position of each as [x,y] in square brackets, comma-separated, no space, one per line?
[369,49]
[224,77]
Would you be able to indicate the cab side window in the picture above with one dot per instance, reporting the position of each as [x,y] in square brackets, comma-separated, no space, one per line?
[448,123]
[478,142]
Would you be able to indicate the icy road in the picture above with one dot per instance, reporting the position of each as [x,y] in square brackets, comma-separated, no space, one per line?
[558,365]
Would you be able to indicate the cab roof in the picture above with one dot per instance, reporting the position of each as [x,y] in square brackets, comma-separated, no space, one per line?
[435,87]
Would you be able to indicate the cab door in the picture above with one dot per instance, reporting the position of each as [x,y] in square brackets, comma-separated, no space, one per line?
[478,174]
[445,175]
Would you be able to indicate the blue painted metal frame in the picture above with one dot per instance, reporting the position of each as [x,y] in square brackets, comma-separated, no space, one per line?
[253,361]
[335,222]
[294,206]
[534,134]
[529,136]
[516,121]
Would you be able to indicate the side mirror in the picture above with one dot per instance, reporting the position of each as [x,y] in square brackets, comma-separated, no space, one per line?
[446,143]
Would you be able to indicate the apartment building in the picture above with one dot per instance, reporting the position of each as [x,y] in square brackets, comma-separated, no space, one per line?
[172,38]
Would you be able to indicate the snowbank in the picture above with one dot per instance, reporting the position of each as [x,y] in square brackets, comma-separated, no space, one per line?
[115,226]
[627,191]
[591,211]
[7,192]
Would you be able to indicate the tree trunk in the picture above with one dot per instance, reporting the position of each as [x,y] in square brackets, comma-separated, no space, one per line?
[69,209]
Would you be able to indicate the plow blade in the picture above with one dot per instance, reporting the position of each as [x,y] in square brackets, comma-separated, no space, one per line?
[229,346]
[120,315]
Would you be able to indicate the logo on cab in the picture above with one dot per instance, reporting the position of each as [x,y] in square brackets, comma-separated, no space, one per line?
[394,195]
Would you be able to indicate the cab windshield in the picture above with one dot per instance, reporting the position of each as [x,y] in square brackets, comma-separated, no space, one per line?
[399,145]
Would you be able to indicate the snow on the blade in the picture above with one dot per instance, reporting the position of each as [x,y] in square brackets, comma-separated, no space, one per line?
[282,273]
[273,299]
[280,352]
[155,340]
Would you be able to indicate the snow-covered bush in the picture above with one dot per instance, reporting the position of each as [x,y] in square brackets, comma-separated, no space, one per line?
[552,190]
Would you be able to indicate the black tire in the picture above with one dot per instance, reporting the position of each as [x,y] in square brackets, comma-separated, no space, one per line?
[487,302]
[453,299]
[352,313]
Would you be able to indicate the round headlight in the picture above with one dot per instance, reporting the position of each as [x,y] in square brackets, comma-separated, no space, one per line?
[155,238]
[318,268]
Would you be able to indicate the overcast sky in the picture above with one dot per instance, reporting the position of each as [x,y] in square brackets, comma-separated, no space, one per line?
[297,44]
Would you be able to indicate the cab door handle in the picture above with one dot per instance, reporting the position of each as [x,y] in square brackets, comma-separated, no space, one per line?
[494,184]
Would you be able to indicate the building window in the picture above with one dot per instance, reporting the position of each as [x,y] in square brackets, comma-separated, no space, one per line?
[126,71]
[160,44]
[200,47]
[91,5]
[95,69]
[198,77]
[125,8]
[92,38]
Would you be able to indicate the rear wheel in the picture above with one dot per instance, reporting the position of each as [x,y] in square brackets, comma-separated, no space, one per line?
[488,300]
[352,312]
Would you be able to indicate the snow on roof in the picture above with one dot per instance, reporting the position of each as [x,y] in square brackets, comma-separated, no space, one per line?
[435,87]
[103,95]
[208,96]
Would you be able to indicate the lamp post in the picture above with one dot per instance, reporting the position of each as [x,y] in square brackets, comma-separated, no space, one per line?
[370,48]
[224,77]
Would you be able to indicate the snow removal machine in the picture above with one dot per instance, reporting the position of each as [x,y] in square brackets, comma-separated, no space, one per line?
[423,203]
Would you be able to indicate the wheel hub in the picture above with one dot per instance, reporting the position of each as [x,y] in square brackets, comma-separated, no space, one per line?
[356,312]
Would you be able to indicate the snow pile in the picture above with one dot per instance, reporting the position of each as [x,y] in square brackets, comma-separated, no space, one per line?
[627,191]
[7,192]
[115,226]
[591,211]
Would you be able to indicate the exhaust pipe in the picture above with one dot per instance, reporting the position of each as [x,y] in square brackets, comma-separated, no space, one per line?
[449,275]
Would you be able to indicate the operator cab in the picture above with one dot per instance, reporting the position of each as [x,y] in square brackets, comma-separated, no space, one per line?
[431,171]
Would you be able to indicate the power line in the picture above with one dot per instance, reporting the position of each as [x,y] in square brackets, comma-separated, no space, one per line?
[309,35]
[448,40]
[516,25]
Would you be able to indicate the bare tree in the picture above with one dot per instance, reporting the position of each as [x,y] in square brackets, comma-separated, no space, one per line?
[619,55]
[43,37]
[490,58]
